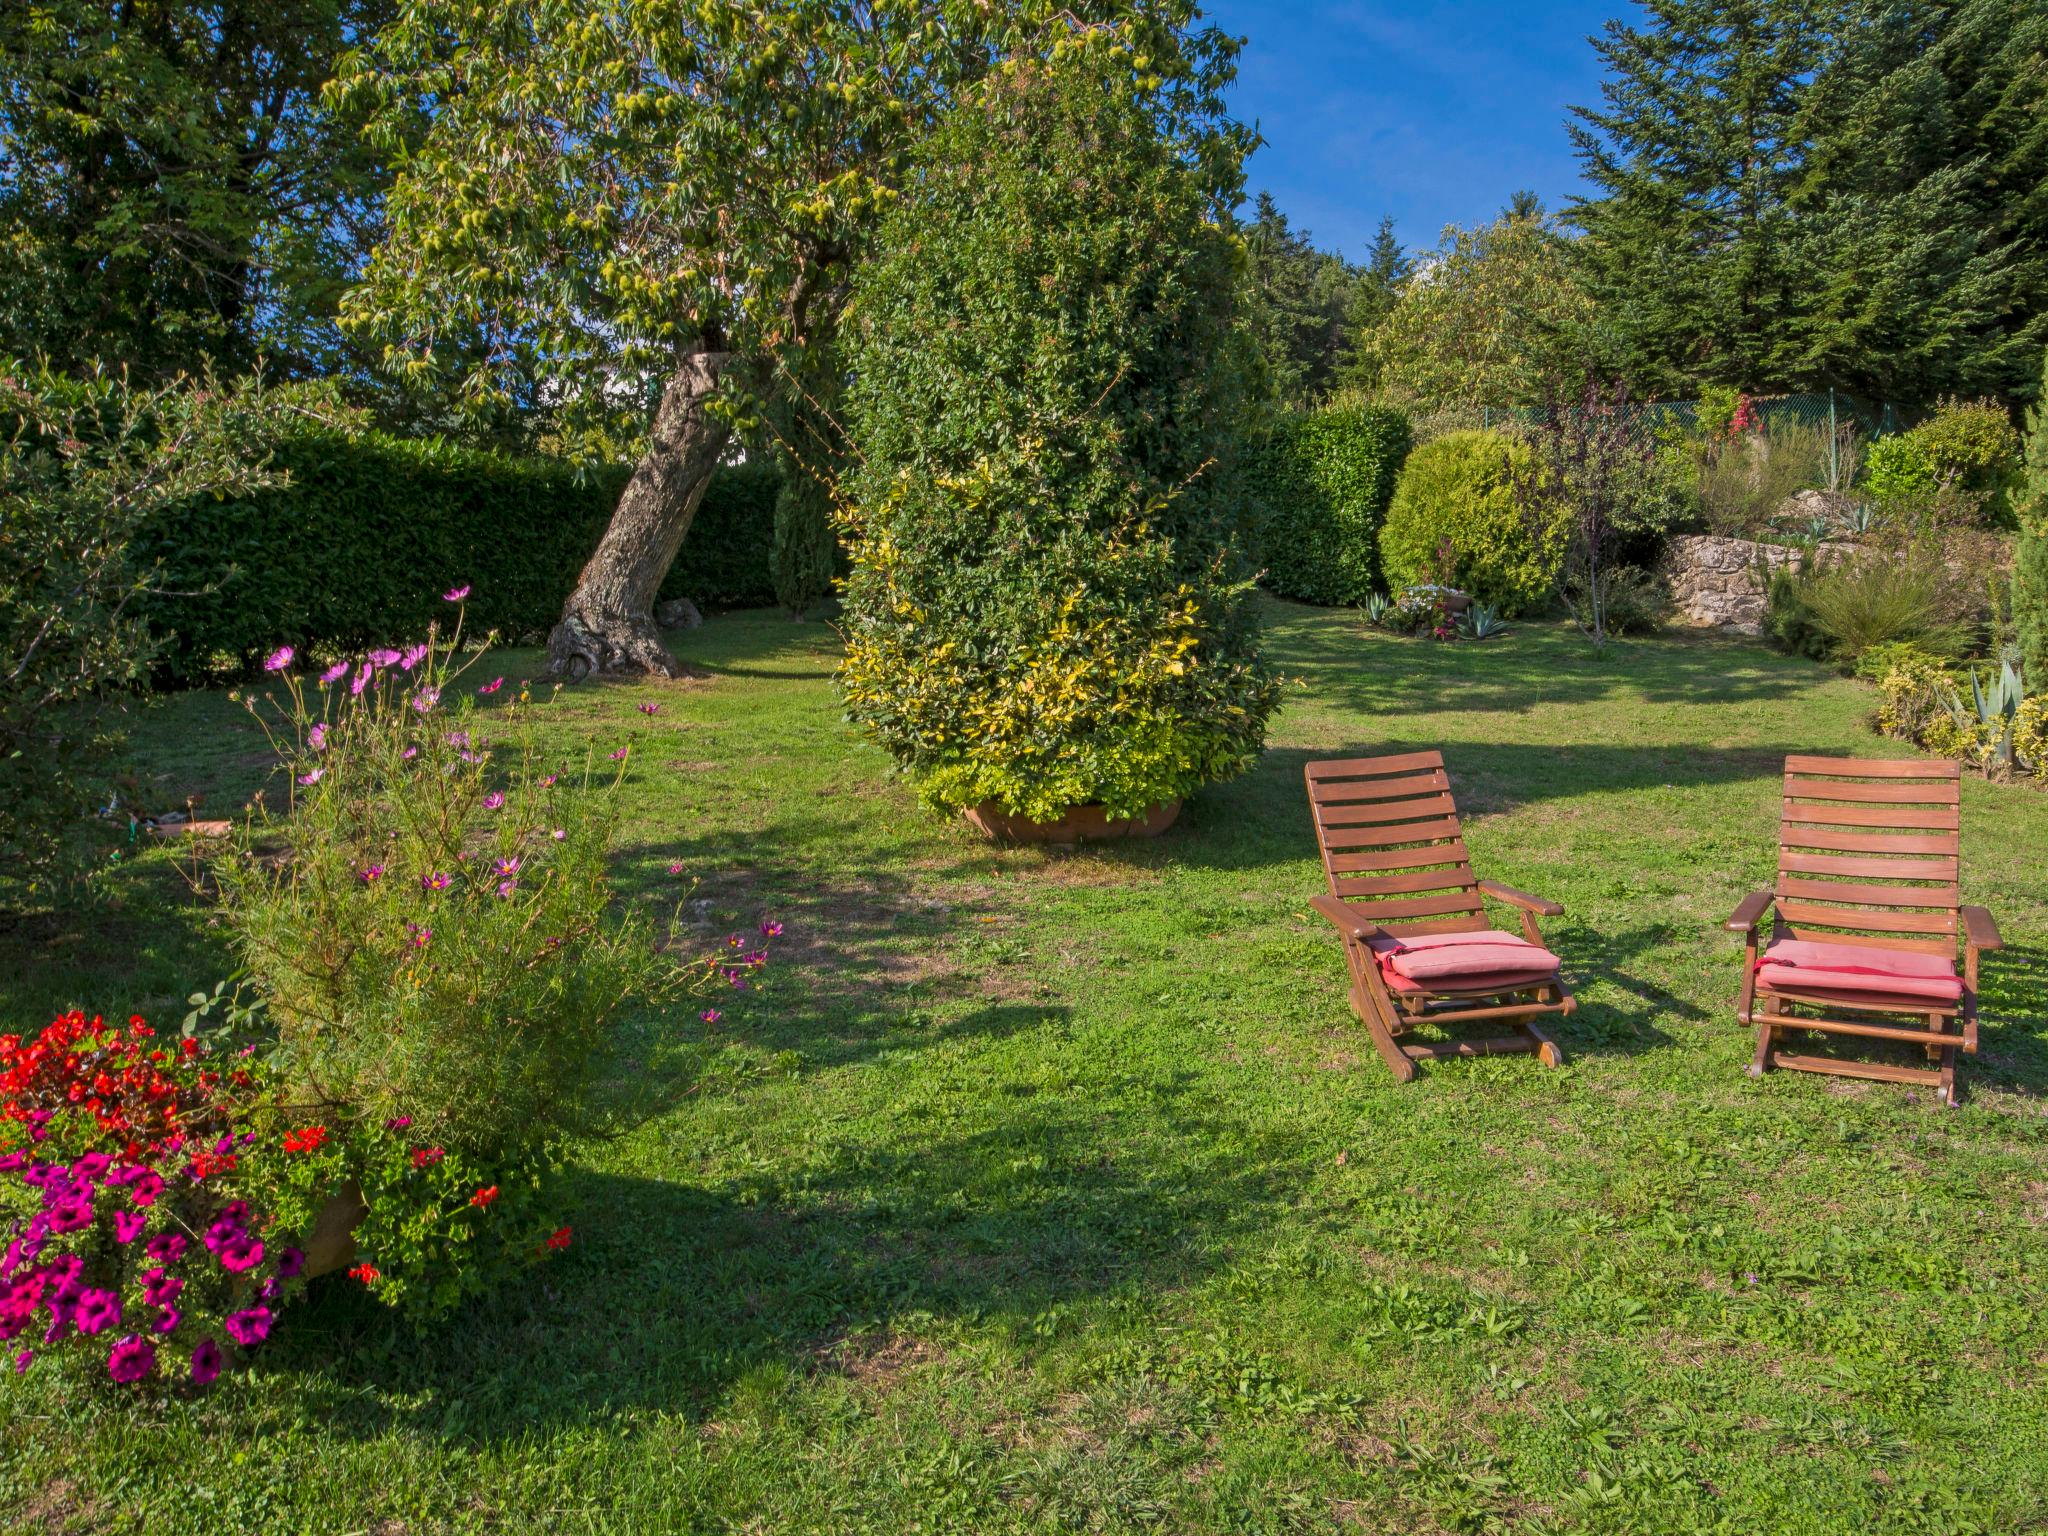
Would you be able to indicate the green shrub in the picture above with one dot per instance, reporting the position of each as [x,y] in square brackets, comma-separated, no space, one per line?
[1319,487]
[1878,597]
[1632,600]
[2030,605]
[806,555]
[84,465]
[1045,608]
[370,527]
[1460,488]
[1898,466]
[1971,444]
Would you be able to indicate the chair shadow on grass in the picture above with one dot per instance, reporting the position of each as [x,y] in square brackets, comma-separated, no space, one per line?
[671,1293]
[1598,964]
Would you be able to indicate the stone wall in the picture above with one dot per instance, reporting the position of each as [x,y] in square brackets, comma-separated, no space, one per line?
[1715,583]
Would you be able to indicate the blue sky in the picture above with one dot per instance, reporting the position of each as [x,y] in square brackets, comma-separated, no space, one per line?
[1433,112]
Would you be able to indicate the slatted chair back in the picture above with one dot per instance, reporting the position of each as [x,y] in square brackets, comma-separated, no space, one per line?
[1868,852]
[1391,842]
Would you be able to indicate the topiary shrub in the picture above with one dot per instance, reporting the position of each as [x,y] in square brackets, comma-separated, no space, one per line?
[1045,608]
[2030,606]
[1460,489]
[1319,488]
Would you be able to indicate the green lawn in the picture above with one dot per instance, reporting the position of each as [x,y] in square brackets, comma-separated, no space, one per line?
[1061,1192]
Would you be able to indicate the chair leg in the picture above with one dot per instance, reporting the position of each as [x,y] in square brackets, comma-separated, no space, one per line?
[1378,1026]
[1547,1050]
[1766,1035]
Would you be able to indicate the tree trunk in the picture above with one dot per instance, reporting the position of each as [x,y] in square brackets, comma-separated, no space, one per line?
[607,625]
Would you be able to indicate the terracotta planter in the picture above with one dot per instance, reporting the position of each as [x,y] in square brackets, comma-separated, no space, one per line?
[331,1245]
[1079,824]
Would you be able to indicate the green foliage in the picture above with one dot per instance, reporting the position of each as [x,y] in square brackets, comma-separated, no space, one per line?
[2030,496]
[598,189]
[437,942]
[806,553]
[369,528]
[1797,195]
[176,192]
[1046,382]
[1632,601]
[1500,320]
[1877,597]
[84,466]
[1898,466]
[1301,304]
[1319,487]
[1461,489]
[2030,604]
[1972,447]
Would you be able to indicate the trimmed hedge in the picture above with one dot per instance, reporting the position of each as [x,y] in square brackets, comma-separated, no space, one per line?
[1319,489]
[356,549]
[1460,489]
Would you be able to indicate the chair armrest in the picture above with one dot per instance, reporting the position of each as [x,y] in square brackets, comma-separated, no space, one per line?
[1351,922]
[1521,899]
[1981,929]
[1750,913]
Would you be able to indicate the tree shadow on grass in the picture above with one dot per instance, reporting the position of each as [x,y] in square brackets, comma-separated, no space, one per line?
[1596,958]
[671,1293]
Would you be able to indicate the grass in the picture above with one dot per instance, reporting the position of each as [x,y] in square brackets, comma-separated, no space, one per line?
[1050,1192]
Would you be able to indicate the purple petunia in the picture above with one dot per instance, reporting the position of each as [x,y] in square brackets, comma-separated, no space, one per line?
[97,1310]
[70,1213]
[166,1320]
[290,1263]
[128,1225]
[133,1358]
[166,1247]
[239,1255]
[160,1288]
[278,659]
[249,1327]
[206,1362]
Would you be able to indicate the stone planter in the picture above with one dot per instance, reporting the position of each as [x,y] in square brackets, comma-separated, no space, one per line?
[331,1245]
[1079,824]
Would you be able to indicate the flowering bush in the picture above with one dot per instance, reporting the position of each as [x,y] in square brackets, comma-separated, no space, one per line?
[124,1162]
[430,922]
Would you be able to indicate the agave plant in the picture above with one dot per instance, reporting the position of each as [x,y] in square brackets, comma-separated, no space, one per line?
[1378,609]
[1992,710]
[1480,622]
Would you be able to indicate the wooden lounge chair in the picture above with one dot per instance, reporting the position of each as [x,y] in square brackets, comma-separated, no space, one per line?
[1866,921]
[1416,938]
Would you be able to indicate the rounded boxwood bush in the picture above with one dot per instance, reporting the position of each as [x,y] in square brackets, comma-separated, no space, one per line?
[1459,490]
[1320,487]
[1045,607]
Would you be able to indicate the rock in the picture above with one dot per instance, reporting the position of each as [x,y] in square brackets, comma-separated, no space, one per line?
[1718,583]
[677,613]
[1804,507]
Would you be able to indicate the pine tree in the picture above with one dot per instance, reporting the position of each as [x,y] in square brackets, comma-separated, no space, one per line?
[1297,306]
[2030,566]
[1388,266]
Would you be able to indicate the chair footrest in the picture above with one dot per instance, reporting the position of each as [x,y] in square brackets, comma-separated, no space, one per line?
[1963,1040]
[1882,1072]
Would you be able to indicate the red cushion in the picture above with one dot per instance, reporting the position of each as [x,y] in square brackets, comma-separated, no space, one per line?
[1483,959]
[1805,965]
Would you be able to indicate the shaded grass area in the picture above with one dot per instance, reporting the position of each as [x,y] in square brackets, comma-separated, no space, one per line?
[1046,1191]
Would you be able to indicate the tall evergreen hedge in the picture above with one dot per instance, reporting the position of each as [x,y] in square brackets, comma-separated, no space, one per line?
[357,547]
[1318,489]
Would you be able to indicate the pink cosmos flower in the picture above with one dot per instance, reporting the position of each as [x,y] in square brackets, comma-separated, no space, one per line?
[437,881]
[710,1015]
[548,781]
[770,928]
[559,834]
[133,1358]
[372,874]
[650,709]
[383,656]
[676,868]
[425,700]
[494,801]
[206,1362]
[409,754]
[412,657]
[421,936]
[278,659]
[619,756]
[455,594]
[506,888]
[312,777]
[506,866]
[334,674]
[362,678]
[316,738]
[492,686]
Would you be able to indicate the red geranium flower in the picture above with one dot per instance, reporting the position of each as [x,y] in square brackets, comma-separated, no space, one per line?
[484,1196]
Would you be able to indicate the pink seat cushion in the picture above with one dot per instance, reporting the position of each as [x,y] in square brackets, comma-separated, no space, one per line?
[1805,965]
[1486,958]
